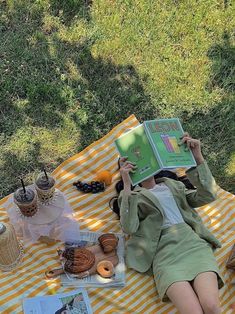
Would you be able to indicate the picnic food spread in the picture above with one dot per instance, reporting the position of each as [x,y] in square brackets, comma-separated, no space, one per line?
[83,261]
[37,213]
[87,260]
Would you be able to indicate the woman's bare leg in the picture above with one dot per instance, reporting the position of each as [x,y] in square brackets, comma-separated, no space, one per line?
[206,288]
[184,298]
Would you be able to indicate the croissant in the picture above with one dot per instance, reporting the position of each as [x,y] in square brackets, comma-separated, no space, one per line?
[78,260]
[72,252]
[108,242]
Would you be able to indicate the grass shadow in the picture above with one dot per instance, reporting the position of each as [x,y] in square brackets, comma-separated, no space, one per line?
[30,91]
[109,94]
[223,68]
[56,97]
[70,10]
[14,168]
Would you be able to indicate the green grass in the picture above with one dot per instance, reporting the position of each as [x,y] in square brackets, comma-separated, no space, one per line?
[70,70]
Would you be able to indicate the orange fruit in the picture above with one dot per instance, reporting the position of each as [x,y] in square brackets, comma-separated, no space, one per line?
[104,176]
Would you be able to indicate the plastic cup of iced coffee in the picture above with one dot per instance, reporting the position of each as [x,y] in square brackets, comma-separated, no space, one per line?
[26,200]
[45,187]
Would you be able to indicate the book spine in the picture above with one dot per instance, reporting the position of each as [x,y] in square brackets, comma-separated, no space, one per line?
[194,164]
[148,133]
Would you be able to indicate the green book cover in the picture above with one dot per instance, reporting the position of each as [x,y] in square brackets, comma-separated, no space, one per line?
[153,146]
[137,147]
[164,136]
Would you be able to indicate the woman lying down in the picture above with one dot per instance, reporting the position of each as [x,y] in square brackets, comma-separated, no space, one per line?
[168,237]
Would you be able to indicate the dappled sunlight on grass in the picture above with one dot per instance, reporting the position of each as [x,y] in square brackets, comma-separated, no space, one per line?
[71,70]
[231,166]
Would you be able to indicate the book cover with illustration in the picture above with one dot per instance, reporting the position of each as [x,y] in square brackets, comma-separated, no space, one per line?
[135,145]
[73,302]
[153,146]
[165,138]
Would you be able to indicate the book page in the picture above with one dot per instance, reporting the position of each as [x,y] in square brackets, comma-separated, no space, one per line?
[164,135]
[136,146]
[74,302]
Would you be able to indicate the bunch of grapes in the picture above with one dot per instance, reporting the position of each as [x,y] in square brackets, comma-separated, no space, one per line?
[93,187]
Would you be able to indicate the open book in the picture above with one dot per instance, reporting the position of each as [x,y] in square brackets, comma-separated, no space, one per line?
[155,145]
[73,302]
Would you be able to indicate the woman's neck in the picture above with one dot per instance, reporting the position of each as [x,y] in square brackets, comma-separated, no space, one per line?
[149,183]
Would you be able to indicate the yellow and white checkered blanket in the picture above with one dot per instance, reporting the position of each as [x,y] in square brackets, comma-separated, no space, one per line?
[93,213]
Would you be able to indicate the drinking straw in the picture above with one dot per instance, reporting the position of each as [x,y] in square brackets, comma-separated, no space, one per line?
[22,182]
[45,174]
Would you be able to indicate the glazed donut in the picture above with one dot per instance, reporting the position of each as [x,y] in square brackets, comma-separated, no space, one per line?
[105,269]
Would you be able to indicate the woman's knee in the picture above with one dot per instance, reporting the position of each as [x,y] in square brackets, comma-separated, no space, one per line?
[211,306]
[184,298]
[206,288]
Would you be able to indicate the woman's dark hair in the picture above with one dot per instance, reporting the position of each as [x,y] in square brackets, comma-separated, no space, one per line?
[113,203]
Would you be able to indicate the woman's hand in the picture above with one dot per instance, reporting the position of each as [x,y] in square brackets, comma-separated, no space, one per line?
[125,168]
[195,146]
